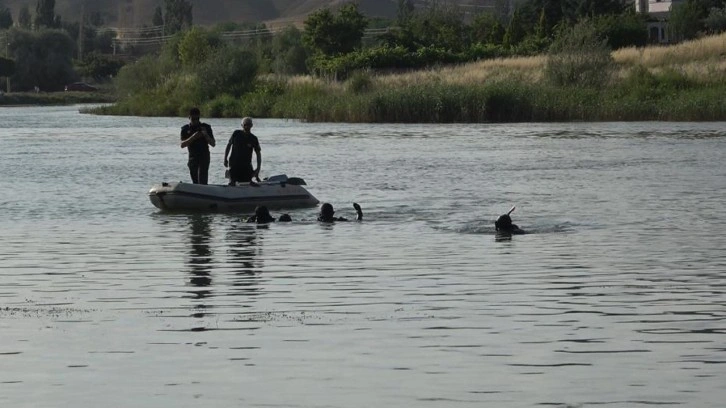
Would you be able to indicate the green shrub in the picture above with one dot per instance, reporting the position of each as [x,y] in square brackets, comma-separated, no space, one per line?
[359,82]
[230,70]
[223,106]
[578,57]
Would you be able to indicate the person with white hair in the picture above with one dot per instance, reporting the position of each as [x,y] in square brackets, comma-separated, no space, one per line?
[238,154]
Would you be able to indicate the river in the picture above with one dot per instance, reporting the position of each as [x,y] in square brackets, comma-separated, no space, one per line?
[616,298]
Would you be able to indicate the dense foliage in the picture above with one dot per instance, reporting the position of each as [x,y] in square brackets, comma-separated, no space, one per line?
[177,16]
[6,17]
[193,69]
[42,58]
[579,57]
[334,34]
[45,15]
[240,69]
[25,20]
[7,67]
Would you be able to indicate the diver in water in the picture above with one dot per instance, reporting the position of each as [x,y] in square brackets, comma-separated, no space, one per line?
[327,213]
[263,216]
[504,224]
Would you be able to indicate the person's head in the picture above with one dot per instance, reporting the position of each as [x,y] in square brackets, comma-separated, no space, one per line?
[326,211]
[285,218]
[194,114]
[247,123]
[503,223]
[262,214]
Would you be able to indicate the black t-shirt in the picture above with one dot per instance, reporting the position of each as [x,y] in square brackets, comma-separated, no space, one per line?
[243,144]
[198,148]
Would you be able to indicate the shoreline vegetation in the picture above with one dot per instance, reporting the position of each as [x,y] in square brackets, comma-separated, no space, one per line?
[54,98]
[683,82]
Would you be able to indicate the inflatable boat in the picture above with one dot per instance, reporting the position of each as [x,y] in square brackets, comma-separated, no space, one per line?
[275,192]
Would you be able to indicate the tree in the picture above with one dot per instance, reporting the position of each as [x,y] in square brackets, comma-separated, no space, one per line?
[684,21]
[98,66]
[228,70]
[7,67]
[716,20]
[25,20]
[43,58]
[289,53]
[6,18]
[579,57]
[623,30]
[177,16]
[440,26]
[516,30]
[95,19]
[45,14]
[158,19]
[486,29]
[319,34]
[405,11]
[352,24]
[542,29]
[194,47]
[335,34]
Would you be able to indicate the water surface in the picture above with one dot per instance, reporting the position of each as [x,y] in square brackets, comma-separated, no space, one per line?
[615,299]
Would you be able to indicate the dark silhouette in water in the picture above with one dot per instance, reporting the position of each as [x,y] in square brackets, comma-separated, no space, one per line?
[504,225]
[327,213]
[200,256]
[245,257]
[263,216]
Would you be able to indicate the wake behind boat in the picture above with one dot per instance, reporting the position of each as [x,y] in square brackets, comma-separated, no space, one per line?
[274,192]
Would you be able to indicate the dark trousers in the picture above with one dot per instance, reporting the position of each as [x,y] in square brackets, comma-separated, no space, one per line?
[241,174]
[199,169]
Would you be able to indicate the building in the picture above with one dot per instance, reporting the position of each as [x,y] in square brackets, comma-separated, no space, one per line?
[658,11]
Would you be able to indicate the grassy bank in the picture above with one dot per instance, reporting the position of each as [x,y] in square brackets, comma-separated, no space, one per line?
[54,98]
[684,82]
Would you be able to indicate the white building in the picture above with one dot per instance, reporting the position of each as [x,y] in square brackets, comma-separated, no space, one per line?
[658,11]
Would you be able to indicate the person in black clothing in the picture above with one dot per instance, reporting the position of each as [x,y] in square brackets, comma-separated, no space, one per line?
[504,224]
[197,137]
[241,144]
[327,213]
[263,216]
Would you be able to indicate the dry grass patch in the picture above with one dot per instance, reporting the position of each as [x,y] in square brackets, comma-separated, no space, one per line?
[702,49]
[526,69]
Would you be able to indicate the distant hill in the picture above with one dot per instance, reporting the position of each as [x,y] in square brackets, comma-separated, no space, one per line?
[206,12]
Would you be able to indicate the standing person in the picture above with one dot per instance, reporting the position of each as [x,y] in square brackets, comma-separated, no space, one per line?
[197,136]
[242,143]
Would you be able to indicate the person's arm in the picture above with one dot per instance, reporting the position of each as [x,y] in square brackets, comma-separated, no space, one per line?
[183,137]
[191,139]
[226,151]
[258,153]
[358,211]
[209,135]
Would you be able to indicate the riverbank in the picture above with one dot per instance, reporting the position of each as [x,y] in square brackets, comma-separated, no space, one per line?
[54,98]
[683,82]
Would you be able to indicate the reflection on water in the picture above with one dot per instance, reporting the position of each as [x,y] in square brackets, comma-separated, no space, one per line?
[224,259]
[245,257]
[615,299]
[199,260]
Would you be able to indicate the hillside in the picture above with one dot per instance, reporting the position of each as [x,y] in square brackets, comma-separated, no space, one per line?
[139,12]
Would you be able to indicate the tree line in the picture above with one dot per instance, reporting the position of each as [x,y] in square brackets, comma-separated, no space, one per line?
[48,52]
[42,50]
